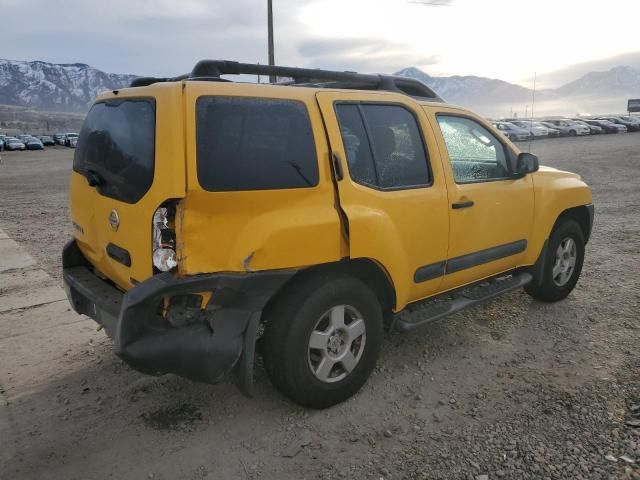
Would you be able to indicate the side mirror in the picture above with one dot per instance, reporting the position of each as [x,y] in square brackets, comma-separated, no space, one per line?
[526,163]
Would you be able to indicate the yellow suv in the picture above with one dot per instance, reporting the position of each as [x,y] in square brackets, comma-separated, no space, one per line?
[213,218]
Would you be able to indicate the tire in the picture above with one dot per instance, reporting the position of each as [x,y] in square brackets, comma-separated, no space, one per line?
[551,286]
[573,133]
[308,308]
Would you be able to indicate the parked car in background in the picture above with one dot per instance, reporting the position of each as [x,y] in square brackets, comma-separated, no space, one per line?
[68,137]
[561,133]
[631,125]
[608,126]
[33,143]
[72,142]
[551,132]
[568,128]
[1,144]
[630,118]
[14,144]
[23,137]
[46,140]
[595,130]
[538,131]
[59,138]
[513,132]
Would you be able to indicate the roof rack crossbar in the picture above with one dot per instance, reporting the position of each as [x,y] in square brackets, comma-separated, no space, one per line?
[214,69]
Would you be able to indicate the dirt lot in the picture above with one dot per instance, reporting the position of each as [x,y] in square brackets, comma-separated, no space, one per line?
[513,389]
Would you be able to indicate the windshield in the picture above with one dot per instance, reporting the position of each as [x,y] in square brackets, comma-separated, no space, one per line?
[117,142]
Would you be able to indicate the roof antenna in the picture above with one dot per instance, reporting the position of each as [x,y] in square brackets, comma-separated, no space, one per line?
[533,104]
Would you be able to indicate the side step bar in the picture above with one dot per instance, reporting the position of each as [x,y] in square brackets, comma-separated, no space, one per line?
[440,307]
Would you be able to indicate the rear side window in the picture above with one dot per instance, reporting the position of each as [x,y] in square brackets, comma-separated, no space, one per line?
[254,144]
[117,142]
[383,145]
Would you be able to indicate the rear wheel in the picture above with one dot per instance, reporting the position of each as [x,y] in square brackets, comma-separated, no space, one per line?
[563,263]
[573,133]
[322,339]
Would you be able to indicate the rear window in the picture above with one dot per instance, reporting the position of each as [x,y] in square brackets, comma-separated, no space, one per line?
[117,141]
[254,144]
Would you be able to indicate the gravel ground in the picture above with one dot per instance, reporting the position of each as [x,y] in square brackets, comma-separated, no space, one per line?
[514,389]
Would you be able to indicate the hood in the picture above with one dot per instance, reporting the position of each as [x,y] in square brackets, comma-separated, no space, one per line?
[551,172]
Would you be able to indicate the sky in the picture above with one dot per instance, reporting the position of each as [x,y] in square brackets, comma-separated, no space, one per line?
[506,39]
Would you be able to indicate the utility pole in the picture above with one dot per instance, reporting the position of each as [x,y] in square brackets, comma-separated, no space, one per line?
[272,78]
[533,94]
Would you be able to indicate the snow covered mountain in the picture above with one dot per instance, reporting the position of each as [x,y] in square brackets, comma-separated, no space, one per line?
[466,90]
[595,92]
[621,80]
[55,87]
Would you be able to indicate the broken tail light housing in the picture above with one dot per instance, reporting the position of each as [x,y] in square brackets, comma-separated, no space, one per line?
[164,239]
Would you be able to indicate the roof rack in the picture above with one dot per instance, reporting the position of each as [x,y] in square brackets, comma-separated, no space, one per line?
[212,70]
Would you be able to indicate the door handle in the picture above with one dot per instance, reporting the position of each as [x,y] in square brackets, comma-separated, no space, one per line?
[337,166]
[459,205]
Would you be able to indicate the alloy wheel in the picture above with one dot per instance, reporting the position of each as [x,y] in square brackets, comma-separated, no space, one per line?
[565,262]
[336,343]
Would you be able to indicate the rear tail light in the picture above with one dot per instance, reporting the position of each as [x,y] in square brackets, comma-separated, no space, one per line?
[164,239]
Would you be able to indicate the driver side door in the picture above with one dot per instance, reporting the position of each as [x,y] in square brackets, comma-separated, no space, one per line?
[491,211]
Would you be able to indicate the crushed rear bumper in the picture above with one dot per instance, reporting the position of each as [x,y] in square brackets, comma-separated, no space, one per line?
[219,339]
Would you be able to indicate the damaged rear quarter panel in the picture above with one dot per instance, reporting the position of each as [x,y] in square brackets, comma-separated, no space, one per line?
[253,230]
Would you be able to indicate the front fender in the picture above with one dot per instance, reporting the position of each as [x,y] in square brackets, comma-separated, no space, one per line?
[555,191]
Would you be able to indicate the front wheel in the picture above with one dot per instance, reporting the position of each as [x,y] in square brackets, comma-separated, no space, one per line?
[322,339]
[563,263]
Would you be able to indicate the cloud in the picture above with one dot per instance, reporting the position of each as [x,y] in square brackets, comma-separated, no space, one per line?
[146,37]
[433,3]
[362,54]
[167,37]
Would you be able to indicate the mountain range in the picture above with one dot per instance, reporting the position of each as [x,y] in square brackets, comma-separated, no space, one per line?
[72,88]
[594,92]
[55,87]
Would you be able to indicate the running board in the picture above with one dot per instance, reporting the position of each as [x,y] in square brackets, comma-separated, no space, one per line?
[447,304]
